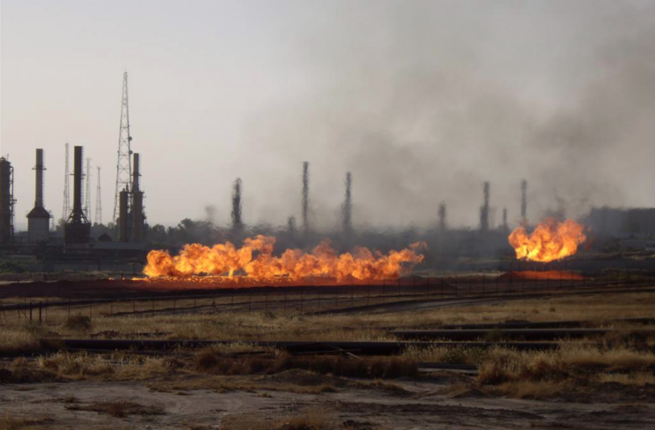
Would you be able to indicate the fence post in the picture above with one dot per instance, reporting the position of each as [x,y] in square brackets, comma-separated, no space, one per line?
[40,308]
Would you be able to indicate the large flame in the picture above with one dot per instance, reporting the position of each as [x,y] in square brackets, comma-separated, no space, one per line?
[255,261]
[550,240]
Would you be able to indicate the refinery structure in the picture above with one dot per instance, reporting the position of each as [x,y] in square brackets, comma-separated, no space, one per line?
[82,242]
[76,243]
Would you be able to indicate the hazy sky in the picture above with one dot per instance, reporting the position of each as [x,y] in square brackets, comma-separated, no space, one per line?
[421,100]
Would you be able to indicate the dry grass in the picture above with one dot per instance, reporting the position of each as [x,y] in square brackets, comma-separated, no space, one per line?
[113,366]
[368,367]
[639,379]
[502,371]
[245,326]
[545,374]
[8,422]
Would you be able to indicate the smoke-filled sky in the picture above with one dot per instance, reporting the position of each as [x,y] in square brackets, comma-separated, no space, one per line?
[421,100]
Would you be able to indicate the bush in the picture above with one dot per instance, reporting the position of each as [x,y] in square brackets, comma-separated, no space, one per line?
[369,367]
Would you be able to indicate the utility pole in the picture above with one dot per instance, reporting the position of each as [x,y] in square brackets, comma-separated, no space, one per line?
[98,216]
[124,163]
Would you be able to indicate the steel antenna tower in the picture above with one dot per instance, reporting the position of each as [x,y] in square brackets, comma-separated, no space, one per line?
[98,216]
[87,191]
[66,210]
[124,164]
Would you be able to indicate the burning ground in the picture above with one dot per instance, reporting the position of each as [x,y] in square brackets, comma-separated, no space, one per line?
[255,261]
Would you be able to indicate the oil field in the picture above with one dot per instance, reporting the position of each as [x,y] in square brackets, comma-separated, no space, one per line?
[393,215]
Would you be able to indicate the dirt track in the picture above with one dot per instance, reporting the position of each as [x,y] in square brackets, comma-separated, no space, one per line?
[417,408]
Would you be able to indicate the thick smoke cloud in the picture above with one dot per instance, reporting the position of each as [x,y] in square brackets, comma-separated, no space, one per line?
[424,101]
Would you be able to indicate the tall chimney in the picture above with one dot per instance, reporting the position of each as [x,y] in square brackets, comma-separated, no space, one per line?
[484,210]
[123,217]
[237,222]
[38,203]
[137,201]
[305,196]
[77,183]
[77,229]
[524,201]
[442,216]
[135,172]
[347,205]
[38,220]
[6,201]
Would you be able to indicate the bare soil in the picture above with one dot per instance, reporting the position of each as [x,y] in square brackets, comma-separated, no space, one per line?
[413,405]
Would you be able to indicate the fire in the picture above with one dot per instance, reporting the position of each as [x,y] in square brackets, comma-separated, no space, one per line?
[550,240]
[255,261]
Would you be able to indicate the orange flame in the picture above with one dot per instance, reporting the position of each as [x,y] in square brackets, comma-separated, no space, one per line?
[550,240]
[292,265]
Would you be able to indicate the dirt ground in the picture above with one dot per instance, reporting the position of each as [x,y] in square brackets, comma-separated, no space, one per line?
[409,405]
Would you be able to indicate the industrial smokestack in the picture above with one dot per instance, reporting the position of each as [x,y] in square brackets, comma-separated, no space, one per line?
[442,217]
[123,216]
[6,201]
[77,183]
[305,196]
[38,203]
[77,229]
[136,172]
[237,222]
[38,220]
[484,210]
[524,201]
[347,205]
[137,201]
